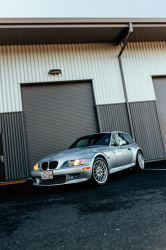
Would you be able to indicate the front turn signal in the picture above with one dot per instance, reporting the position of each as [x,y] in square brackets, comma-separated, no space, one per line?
[36,167]
[86,168]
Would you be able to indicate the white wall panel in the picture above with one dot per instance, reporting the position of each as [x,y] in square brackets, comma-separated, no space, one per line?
[140,62]
[31,63]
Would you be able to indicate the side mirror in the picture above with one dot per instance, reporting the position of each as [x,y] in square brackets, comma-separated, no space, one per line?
[122,142]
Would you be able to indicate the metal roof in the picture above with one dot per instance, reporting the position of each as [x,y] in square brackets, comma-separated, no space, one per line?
[15,31]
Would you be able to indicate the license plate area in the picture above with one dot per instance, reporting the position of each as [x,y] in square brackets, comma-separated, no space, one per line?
[47,175]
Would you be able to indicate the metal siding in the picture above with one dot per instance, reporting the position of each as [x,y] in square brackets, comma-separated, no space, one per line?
[160,91]
[14,147]
[147,129]
[31,63]
[140,62]
[55,115]
[113,117]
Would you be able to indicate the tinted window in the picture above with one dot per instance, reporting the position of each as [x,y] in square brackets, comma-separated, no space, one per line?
[126,138]
[115,139]
[92,140]
[120,136]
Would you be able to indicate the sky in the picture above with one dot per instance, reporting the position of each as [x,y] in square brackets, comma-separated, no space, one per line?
[82,8]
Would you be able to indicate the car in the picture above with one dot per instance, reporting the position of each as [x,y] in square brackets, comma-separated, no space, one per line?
[92,157]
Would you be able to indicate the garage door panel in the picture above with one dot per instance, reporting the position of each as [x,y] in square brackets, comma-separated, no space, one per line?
[56,115]
[160,91]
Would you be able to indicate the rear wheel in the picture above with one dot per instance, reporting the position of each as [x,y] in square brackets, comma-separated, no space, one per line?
[140,164]
[100,172]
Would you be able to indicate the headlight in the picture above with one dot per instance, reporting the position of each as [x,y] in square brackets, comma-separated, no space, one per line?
[74,163]
[36,167]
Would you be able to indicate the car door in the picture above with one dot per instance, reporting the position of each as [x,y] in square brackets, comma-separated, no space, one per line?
[123,154]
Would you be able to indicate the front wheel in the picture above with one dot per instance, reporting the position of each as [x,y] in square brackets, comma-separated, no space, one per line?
[100,171]
[140,164]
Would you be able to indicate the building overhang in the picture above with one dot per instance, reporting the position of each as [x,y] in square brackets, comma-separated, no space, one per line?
[19,31]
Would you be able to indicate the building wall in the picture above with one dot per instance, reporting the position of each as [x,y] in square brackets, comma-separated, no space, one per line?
[14,145]
[113,117]
[31,63]
[24,64]
[147,130]
[140,62]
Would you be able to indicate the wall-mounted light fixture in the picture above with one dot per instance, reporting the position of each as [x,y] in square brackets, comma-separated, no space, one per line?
[54,71]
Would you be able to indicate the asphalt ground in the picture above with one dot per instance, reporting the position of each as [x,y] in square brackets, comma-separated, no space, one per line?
[127,213]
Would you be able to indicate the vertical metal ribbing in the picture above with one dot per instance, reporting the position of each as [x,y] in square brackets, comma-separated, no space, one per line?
[159,127]
[113,117]
[14,151]
[4,146]
[147,129]
[14,145]
[21,146]
[99,118]
[24,143]
[5,142]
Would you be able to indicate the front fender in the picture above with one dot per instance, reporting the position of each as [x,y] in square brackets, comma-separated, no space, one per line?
[102,155]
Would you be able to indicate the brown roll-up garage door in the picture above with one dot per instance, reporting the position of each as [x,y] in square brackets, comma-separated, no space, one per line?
[55,115]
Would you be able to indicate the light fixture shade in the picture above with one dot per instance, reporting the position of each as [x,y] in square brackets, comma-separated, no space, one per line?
[55,71]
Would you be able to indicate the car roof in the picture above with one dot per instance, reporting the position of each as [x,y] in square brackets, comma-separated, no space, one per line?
[107,132]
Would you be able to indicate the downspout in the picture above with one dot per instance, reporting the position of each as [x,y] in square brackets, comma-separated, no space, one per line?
[123,79]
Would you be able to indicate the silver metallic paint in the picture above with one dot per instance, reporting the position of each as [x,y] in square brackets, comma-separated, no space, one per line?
[117,159]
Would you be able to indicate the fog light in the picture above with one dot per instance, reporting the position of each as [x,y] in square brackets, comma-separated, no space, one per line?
[76,175]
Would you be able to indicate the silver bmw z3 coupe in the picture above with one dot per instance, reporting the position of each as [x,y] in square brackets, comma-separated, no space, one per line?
[92,157]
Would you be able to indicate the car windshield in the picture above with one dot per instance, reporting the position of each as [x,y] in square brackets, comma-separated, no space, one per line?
[92,140]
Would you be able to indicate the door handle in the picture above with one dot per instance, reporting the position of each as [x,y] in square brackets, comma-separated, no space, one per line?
[129,148]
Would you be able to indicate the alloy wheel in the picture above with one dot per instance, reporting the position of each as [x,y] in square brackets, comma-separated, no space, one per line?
[100,172]
[141,161]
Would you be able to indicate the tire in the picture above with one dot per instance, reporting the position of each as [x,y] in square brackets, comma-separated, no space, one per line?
[100,173]
[140,164]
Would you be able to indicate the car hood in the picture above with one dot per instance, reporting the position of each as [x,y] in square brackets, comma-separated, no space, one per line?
[71,154]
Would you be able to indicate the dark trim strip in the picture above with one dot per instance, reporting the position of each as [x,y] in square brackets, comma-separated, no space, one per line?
[55,82]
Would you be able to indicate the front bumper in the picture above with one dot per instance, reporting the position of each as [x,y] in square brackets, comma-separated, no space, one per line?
[63,176]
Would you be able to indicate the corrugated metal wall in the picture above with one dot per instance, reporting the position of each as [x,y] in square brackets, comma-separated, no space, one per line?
[147,130]
[140,62]
[113,117]
[14,146]
[31,63]
[22,64]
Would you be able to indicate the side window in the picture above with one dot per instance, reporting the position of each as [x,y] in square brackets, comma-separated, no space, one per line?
[126,138]
[115,139]
[113,142]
